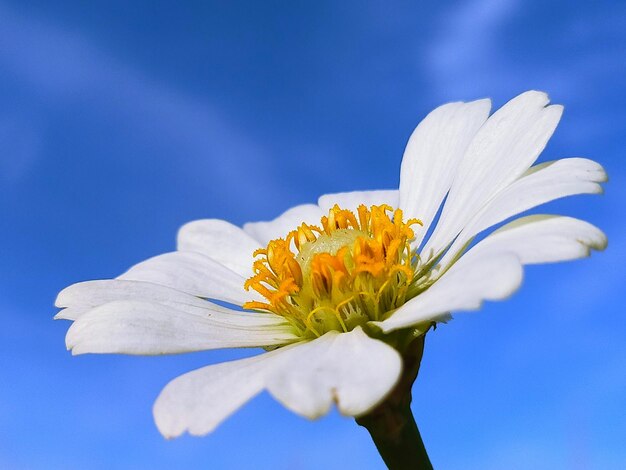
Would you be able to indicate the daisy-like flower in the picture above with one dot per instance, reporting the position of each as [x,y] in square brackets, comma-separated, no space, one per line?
[340,293]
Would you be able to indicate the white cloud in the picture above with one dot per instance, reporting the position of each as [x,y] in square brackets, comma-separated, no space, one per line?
[460,58]
[485,48]
[63,68]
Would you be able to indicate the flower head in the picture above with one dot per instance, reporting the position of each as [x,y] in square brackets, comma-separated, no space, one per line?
[329,288]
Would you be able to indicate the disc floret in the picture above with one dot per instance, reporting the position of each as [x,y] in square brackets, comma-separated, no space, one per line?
[351,269]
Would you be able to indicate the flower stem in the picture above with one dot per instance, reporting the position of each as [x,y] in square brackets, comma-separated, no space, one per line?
[391,424]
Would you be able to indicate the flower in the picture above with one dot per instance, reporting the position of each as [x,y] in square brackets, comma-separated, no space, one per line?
[331,290]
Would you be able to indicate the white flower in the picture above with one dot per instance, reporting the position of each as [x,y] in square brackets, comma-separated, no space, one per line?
[348,273]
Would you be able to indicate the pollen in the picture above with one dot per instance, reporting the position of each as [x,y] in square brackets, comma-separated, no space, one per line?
[351,269]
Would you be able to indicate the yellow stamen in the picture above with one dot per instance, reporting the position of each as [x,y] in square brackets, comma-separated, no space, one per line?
[351,269]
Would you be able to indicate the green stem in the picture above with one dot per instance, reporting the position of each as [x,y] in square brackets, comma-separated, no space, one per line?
[391,424]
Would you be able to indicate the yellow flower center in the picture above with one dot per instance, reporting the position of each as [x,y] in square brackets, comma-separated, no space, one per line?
[353,269]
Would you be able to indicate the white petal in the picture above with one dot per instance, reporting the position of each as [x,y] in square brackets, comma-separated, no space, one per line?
[221,241]
[141,327]
[352,200]
[432,156]
[192,273]
[198,401]
[544,239]
[350,369]
[502,150]
[541,184]
[284,223]
[465,286]
[81,297]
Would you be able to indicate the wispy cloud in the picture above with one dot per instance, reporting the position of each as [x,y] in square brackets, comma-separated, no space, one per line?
[475,52]
[461,55]
[63,68]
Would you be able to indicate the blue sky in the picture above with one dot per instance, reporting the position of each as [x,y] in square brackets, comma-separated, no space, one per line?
[120,122]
